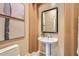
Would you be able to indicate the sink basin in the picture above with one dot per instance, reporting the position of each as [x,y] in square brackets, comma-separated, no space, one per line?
[47,40]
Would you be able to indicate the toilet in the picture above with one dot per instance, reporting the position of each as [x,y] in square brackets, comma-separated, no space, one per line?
[78,46]
[78,39]
[78,52]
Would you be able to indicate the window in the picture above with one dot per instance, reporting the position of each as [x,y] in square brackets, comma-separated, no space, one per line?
[11,21]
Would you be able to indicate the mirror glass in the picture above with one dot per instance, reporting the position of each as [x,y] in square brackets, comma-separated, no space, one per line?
[50,20]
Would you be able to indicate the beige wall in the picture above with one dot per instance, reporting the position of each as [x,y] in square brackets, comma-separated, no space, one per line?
[71,29]
[33,28]
[59,47]
[22,42]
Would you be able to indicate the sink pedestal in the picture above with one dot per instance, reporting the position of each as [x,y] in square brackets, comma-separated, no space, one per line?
[48,49]
[48,42]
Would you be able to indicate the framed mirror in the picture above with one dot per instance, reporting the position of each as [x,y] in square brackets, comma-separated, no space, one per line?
[49,20]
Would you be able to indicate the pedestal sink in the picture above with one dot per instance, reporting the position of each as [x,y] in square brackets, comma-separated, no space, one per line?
[48,41]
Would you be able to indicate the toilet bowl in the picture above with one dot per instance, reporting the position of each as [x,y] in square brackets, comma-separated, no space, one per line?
[78,46]
[78,38]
